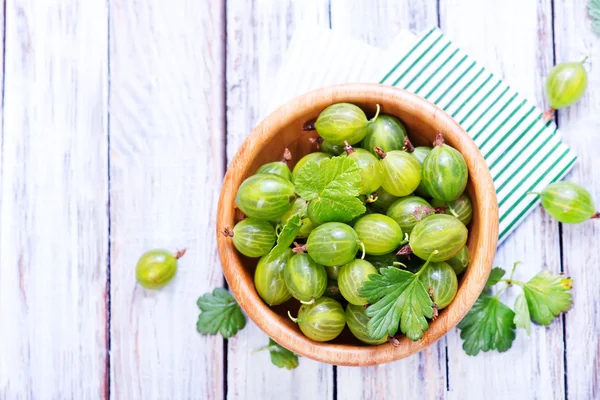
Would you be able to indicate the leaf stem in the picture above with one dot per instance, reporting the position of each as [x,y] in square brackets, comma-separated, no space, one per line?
[512,273]
[424,267]
[258,350]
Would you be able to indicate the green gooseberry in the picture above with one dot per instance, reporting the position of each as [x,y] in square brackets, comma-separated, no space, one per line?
[460,262]
[268,279]
[386,132]
[407,211]
[351,278]
[371,174]
[566,83]
[461,208]
[265,196]
[321,321]
[382,201]
[440,280]
[401,172]
[252,237]
[342,122]
[568,202]
[305,279]
[333,243]
[357,321]
[438,237]
[156,268]
[279,168]
[379,233]
[445,172]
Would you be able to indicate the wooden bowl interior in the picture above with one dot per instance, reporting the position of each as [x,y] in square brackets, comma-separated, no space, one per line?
[284,129]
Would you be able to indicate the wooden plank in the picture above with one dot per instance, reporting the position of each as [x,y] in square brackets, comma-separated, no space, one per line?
[423,375]
[575,39]
[257,37]
[166,167]
[54,192]
[516,46]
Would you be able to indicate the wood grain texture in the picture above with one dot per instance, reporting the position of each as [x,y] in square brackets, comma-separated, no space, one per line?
[166,166]
[283,129]
[53,221]
[258,34]
[423,375]
[580,126]
[517,46]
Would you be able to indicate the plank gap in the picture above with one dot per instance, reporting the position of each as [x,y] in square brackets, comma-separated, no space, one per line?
[108,303]
[335,394]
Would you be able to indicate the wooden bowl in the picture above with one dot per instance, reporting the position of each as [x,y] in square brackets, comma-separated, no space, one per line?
[283,128]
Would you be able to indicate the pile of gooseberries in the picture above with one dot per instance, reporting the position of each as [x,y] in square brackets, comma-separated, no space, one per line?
[417,217]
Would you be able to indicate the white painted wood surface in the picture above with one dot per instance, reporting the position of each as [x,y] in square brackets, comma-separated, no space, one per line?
[146,111]
[54,191]
[166,165]
[580,125]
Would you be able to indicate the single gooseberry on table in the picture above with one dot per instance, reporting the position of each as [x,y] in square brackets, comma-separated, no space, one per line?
[565,84]
[156,268]
[568,202]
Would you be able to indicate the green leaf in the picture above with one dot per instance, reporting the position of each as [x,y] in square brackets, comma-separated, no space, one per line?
[594,13]
[488,326]
[496,274]
[280,356]
[332,187]
[522,318]
[397,297]
[547,296]
[220,313]
[286,237]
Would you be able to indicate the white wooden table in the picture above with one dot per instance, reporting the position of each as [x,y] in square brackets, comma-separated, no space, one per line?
[119,118]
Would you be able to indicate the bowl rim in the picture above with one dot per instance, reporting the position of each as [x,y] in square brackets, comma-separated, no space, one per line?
[344,354]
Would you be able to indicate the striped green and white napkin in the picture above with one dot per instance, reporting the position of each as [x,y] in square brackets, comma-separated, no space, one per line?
[523,152]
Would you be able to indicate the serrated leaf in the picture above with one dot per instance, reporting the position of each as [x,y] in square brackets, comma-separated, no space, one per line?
[282,357]
[522,318]
[337,209]
[496,274]
[398,298]
[332,187]
[547,296]
[220,313]
[489,325]
[286,237]
[594,13]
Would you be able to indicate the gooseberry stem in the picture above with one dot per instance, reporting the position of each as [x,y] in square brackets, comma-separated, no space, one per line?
[294,320]
[393,341]
[318,140]
[227,232]
[548,114]
[585,59]
[349,149]
[312,301]
[287,156]
[535,193]
[405,251]
[373,197]
[362,245]
[406,239]
[408,146]
[299,248]
[596,215]
[376,113]
[309,125]
[439,139]
[382,154]
[452,211]
[398,263]
[180,253]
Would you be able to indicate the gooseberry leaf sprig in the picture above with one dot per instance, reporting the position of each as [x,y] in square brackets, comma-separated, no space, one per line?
[332,188]
[285,237]
[492,325]
[220,313]
[280,356]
